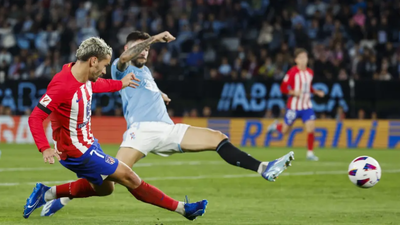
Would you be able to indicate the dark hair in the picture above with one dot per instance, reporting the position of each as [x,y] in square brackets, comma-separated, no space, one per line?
[298,51]
[137,35]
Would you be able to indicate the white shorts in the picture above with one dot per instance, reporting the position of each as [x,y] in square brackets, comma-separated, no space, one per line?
[156,137]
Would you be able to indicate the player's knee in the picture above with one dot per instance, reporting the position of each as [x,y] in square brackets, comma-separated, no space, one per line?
[132,180]
[310,126]
[107,190]
[310,130]
[217,137]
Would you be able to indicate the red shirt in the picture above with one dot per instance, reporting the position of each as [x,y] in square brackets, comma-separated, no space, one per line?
[298,80]
[69,103]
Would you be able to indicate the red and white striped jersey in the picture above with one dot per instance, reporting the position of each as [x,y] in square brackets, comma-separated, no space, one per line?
[298,80]
[69,102]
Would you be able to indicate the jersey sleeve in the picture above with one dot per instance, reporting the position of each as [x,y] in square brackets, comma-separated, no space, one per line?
[115,73]
[53,97]
[287,82]
[106,85]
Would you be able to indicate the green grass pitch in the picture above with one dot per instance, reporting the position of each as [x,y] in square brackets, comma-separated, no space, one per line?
[307,193]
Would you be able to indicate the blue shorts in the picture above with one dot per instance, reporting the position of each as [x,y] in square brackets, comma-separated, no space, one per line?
[94,165]
[292,115]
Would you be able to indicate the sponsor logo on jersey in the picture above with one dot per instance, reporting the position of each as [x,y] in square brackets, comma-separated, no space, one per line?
[82,124]
[45,101]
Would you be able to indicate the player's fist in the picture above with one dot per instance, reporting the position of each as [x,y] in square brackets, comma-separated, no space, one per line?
[164,37]
[166,99]
[49,154]
[319,93]
[130,80]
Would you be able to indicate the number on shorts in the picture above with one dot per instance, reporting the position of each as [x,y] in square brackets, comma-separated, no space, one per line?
[95,152]
[291,115]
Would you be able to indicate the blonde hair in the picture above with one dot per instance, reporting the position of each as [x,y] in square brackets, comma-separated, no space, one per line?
[93,47]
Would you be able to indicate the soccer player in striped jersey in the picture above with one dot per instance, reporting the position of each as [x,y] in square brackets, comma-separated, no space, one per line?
[298,85]
[68,102]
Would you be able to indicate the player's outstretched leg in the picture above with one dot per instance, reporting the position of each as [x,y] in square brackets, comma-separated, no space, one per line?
[201,139]
[126,177]
[152,195]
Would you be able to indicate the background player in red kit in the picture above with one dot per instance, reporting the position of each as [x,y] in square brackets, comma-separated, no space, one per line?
[68,99]
[298,85]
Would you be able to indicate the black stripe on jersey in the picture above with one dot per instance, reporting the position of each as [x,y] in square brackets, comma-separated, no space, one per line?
[44,109]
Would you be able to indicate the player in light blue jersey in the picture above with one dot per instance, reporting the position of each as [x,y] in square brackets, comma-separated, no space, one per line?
[149,103]
[150,129]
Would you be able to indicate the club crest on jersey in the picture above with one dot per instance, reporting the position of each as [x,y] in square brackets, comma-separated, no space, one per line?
[133,136]
[45,101]
[110,160]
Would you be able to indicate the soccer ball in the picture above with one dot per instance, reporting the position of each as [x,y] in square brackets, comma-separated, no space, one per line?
[364,171]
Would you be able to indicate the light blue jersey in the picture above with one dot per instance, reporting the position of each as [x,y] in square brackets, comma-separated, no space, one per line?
[144,103]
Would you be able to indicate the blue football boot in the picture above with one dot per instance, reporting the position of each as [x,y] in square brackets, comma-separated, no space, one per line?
[51,207]
[195,209]
[35,200]
[276,167]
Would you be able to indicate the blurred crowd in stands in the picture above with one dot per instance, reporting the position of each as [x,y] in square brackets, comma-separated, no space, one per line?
[216,39]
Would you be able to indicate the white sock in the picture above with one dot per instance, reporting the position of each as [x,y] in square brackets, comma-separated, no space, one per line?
[50,194]
[310,153]
[65,200]
[262,167]
[181,208]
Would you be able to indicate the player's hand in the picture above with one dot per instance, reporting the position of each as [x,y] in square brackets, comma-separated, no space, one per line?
[296,93]
[49,154]
[164,37]
[129,80]
[166,99]
[319,93]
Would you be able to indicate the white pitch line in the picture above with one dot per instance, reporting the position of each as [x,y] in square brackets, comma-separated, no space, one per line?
[228,176]
[155,164]
[177,163]
[17,169]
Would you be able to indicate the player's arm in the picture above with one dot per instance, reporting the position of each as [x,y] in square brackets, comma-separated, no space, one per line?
[288,84]
[135,50]
[319,93]
[165,97]
[109,85]
[49,102]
